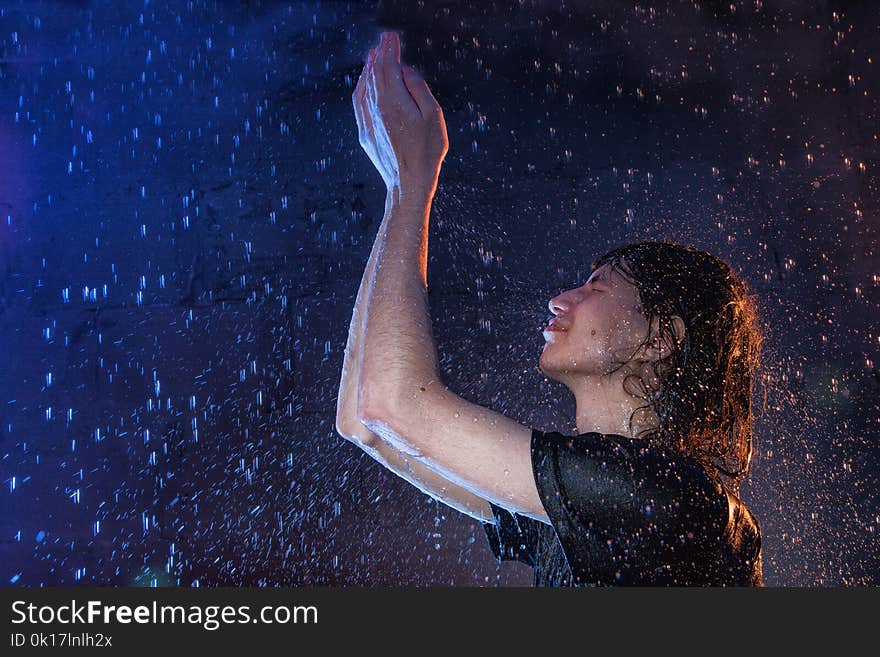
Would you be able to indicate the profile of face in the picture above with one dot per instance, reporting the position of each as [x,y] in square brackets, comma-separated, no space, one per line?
[596,327]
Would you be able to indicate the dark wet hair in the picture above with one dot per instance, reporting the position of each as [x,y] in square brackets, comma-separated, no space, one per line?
[704,400]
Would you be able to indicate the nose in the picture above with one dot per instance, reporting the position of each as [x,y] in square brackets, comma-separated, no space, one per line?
[562,303]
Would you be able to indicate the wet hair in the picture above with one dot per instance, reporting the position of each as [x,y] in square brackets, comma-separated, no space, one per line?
[704,398]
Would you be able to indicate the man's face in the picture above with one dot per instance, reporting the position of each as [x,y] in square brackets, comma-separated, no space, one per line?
[601,325]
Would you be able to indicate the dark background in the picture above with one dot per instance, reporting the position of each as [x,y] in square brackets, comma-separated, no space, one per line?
[185,214]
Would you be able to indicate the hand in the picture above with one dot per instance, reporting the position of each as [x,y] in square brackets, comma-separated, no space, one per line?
[400,123]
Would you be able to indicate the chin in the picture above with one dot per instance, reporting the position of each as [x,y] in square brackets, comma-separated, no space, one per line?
[560,368]
[550,370]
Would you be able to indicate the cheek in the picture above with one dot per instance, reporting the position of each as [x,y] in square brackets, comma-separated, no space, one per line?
[618,331]
[596,332]
[632,328]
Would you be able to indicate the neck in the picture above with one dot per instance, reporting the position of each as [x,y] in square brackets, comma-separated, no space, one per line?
[604,407]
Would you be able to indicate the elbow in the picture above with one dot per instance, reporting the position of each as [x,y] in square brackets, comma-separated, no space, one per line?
[349,426]
[357,433]
[373,405]
[387,425]
[345,424]
[374,419]
[340,423]
[343,427]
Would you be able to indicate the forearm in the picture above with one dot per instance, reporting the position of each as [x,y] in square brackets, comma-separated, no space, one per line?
[347,424]
[418,474]
[430,482]
[346,403]
[399,355]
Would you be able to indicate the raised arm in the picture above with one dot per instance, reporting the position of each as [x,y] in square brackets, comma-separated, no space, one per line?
[350,428]
[400,395]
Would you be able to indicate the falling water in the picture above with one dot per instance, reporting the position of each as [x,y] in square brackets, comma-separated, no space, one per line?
[185,214]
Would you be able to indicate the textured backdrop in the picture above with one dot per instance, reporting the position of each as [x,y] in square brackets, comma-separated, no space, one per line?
[185,213]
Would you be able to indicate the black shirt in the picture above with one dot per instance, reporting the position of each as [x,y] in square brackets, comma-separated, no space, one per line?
[625,513]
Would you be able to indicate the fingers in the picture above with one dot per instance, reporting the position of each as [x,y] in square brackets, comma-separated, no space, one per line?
[361,83]
[392,45]
[359,95]
[370,92]
[366,72]
[368,96]
[367,119]
[359,117]
[388,58]
[358,92]
[357,99]
[419,91]
[388,71]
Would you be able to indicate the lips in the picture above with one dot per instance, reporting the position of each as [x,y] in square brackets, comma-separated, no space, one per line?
[554,325]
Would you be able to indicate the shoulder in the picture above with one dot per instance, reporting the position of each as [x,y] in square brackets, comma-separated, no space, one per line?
[625,479]
[689,499]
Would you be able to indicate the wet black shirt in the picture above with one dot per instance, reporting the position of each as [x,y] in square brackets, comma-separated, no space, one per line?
[624,513]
